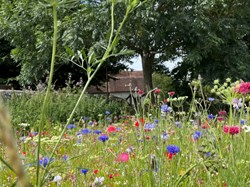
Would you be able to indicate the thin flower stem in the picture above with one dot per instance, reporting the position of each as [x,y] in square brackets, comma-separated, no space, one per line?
[90,77]
[45,102]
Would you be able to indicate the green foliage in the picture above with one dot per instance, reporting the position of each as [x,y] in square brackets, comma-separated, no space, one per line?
[26,107]
[163,82]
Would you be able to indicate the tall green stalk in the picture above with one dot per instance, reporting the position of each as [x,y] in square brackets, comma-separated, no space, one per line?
[112,43]
[45,102]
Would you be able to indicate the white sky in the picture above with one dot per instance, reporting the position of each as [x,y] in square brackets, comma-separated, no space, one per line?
[138,66]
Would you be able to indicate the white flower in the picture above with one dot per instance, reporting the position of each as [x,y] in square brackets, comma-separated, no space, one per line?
[57,178]
[246,128]
[99,180]
[24,124]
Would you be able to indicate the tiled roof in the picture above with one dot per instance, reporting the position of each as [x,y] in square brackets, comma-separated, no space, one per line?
[120,83]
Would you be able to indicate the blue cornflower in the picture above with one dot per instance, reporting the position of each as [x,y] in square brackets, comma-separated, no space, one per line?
[90,123]
[242,122]
[197,135]
[107,112]
[103,138]
[86,131]
[156,121]
[208,154]
[164,136]
[149,126]
[165,108]
[97,131]
[211,99]
[71,126]
[178,124]
[210,116]
[45,161]
[84,171]
[173,149]
[65,157]
[86,118]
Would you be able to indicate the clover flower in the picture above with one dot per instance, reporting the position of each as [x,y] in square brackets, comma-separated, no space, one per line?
[103,138]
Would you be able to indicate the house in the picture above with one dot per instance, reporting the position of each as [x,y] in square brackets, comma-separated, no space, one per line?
[120,85]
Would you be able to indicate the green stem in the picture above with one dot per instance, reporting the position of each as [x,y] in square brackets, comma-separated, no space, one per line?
[90,77]
[45,102]
[6,164]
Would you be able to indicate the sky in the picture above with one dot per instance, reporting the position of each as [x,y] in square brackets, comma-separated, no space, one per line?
[138,66]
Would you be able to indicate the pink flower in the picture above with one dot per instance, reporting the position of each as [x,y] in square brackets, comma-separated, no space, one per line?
[243,88]
[171,93]
[222,113]
[157,91]
[220,118]
[232,130]
[140,92]
[123,157]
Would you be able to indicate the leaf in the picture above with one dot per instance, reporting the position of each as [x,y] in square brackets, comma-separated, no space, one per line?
[69,51]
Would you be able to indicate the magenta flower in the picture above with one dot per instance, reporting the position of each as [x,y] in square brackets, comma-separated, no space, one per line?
[243,88]
[123,157]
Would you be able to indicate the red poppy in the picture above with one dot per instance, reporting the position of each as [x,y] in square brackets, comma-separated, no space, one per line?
[140,122]
[95,171]
[111,129]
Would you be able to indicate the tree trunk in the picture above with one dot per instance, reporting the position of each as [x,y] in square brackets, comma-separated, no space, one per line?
[147,67]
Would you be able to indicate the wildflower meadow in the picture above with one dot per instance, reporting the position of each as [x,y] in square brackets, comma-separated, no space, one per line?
[51,138]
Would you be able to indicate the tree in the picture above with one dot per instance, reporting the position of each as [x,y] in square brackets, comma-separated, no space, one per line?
[26,24]
[8,68]
[217,46]
[155,32]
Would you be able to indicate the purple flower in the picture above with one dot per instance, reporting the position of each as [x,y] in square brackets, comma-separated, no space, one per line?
[211,99]
[103,138]
[71,126]
[242,122]
[107,112]
[210,116]
[84,171]
[86,131]
[197,135]
[45,161]
[165,108]
[149,126]
[97,131]
[173,149]
[65,157]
